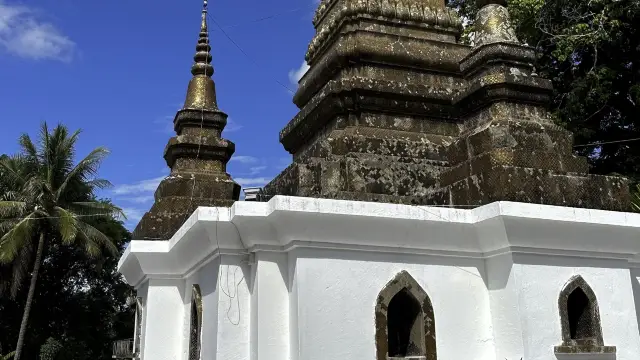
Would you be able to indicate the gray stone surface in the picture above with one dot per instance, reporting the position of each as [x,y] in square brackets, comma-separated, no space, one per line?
[394,109]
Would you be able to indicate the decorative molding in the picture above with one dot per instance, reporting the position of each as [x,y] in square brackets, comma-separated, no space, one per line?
[422,14]
[285,223]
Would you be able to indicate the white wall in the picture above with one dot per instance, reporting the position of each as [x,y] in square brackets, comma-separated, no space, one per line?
[541,280]
[635,285]
[317,267]
[225,308]
[163,319]
[270,307]
[503,286]
[337,292]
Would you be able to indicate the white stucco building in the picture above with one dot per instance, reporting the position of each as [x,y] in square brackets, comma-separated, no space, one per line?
[394,109]
[310,279]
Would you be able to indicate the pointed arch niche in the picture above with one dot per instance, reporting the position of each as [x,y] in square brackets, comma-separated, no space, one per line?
[405,325]
[580,319]
[195,327]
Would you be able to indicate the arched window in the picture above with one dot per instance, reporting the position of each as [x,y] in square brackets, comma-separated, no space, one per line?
[580,319]
[405,325]
[195,327]
[138,329]
[579,314]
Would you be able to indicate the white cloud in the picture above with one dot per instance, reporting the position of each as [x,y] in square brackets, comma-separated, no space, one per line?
[24,34]
[296,74]
[138,188]
[259,181]
[144,199]
[244,159]
[133,215]
[232,126]
[255,170]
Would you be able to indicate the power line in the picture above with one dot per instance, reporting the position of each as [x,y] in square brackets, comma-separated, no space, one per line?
[245,53]
[607,142]
[269,17]
[58,217]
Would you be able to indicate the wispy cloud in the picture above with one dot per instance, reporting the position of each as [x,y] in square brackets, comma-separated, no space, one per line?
[137,188]
[257,181]
[133,215]
[25,34]
[296,74]
[137,198]
[144,199]
[232,126]
[255,170]
[244,159]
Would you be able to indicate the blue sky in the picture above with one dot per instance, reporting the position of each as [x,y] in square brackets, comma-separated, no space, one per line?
[119,69]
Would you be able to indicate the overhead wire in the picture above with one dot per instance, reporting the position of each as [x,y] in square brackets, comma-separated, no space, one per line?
[598,143]
[245,53]
[269,17]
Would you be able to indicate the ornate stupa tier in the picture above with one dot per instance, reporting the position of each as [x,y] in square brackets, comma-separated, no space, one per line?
[405,16]
[395,109]
[186,148]
[197,155]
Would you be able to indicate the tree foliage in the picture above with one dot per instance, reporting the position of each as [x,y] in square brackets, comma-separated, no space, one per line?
[80,300]
[636,198]
[591,51]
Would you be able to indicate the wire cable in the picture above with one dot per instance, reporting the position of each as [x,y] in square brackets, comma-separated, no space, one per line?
[245,53]
[598,143]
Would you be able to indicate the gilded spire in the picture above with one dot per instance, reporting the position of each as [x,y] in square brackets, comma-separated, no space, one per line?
[202,65]
[201,93]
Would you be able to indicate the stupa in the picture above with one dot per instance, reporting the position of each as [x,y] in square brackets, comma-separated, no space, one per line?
[197,155]
[433,210]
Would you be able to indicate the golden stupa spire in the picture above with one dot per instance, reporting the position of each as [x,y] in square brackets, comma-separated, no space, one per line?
[201,93]
[202,58]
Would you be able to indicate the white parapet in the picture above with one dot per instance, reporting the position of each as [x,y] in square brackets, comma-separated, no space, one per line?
[299,278]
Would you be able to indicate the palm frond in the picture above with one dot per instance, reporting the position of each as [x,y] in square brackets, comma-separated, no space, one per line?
[7,356]
[35,187]
[99,184]
[6,225]
[14,169]
[91,208]
[62,154]
[16,238]
[85,169]
[28,148]
[635,201]
[11,208]
[20,269]
[66,224]
[94,237]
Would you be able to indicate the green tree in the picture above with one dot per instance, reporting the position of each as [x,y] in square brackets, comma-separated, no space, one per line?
[591,52]
[636,198]
[44,211]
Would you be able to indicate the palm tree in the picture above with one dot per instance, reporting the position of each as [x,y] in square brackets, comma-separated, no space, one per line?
[48,199]
[635,201]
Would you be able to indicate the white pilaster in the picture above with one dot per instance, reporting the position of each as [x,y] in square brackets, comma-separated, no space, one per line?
[270,308]
[163,321]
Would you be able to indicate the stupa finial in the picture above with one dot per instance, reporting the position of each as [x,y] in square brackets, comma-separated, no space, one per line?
[493,24]
[202,65]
